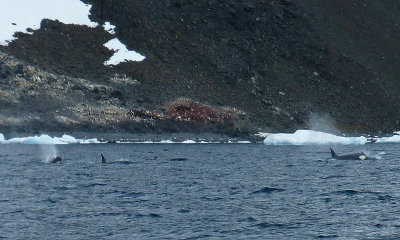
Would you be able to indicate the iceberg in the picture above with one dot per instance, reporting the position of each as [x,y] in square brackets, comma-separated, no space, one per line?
[188,142]
[309,137]
[392,139]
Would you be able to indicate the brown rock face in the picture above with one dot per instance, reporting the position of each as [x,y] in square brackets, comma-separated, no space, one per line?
[277,61]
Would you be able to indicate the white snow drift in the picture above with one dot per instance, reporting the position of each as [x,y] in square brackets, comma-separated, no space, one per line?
[121,54]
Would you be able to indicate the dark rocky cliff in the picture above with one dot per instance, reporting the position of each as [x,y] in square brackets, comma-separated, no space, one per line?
[271,63]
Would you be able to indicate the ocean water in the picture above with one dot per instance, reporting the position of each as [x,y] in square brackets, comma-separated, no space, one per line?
[198,191]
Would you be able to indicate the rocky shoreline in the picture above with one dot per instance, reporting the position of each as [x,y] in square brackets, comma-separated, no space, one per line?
[219,67]
[35,101]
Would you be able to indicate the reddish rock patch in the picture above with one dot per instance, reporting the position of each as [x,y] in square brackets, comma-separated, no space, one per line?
[184,109]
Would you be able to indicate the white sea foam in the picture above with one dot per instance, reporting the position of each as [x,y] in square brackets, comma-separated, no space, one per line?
[308,137]
[46,139]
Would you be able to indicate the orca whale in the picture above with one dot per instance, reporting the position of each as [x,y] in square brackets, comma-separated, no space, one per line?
[56,160]
[353,156]
[103,159]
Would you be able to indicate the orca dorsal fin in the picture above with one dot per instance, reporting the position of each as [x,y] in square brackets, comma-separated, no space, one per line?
[103,159]
[333,153]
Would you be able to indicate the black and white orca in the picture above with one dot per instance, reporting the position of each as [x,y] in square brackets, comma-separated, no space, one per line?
[352,156]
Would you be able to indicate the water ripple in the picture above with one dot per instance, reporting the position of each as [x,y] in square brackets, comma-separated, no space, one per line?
[268,190]
[248,192]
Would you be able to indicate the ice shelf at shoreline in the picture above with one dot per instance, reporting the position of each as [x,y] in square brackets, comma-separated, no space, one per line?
[300,137]
[66,139]
[309,137]
[46,139]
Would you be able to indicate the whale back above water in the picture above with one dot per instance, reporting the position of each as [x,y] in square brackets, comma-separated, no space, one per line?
[352,156]
[56,160]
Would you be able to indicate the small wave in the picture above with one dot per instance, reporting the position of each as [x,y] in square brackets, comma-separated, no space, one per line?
[95,184]
[270,225]
[122,161]
[152,215]
[51,200]
[109,214]
[274,225]
[351,192]
[83,174]
[178,159]
[12,212]
[386,198]
[184,211]
[268,190]
[248,219]
[348,192]
[23,154]
[334,176]
[63,188]
[327,236]
[212,198]
[130,194]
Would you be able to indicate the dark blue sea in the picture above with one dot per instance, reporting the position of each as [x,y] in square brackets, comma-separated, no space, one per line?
[199,191]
